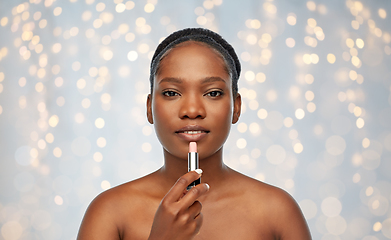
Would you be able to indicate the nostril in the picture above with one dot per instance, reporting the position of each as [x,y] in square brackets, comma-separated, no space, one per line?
[192,109]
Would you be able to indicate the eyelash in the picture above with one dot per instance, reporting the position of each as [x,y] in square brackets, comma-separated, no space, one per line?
[220,93]
[170,93]
[167,93]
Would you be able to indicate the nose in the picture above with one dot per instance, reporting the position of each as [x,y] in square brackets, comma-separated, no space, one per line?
[192,107]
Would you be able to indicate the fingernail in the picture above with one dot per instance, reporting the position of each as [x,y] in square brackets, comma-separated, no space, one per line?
[207,185]
[199,171]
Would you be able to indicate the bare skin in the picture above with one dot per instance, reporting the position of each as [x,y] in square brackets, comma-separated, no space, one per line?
[193,89]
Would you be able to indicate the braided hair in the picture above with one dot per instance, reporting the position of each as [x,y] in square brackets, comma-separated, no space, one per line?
[204,36]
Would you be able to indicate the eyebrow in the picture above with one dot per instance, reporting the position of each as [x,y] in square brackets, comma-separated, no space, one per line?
[213,79]
[170,79]
[179,80]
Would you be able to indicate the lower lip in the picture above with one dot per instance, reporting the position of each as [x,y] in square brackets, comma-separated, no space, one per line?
[192,137]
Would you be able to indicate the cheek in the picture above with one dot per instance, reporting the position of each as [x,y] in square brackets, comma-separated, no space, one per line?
[162,114]
[157,112]
[222,115]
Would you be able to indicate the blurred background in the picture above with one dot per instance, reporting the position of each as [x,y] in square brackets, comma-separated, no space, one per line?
[315,84]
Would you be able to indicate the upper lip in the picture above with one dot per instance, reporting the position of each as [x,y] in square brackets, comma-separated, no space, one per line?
[192,128]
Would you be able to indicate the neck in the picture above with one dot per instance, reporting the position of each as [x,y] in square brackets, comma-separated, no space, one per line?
[213,167]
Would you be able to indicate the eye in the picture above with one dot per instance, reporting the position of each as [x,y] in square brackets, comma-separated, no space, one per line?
[170,93]
[215,93]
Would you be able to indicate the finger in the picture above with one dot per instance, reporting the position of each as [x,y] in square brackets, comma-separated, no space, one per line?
[184,193]
[179,187]
[195,210]
[193,194]
[199,219]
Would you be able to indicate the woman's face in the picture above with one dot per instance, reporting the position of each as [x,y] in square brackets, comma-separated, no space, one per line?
[192,101]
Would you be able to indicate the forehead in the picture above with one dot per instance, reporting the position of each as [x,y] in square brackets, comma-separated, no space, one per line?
[191,55]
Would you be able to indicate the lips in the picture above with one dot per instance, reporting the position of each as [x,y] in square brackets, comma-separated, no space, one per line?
[192,133]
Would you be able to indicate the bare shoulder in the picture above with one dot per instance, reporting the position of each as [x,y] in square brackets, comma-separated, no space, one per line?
[119,197]
[107,213]
[273,198]
[277,206]
[259,190]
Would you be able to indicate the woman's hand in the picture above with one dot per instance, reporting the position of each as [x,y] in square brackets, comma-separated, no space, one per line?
[179,214]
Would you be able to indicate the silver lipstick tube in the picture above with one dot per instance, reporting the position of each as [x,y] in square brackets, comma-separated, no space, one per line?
[193,164]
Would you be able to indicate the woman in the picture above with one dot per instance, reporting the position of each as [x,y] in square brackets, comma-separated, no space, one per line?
[194,98]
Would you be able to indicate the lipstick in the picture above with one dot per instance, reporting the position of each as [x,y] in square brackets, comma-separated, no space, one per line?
[192,162]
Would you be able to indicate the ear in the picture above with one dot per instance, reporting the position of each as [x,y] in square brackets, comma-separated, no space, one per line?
[149,109]
[237,108]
